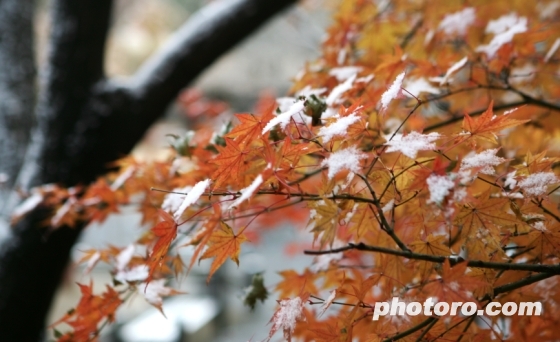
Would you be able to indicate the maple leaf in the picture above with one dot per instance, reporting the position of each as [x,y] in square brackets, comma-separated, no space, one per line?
[324,219]
[432,245]
[165,231]
[294,283]
[544,240]
[487,125]
[249,129]
[154,291]
[223,243]
[89,312]
[363,220]
[453,286]
[232,163]
[290,311]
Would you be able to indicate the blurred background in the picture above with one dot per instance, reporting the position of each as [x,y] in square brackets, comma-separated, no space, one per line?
[266,61]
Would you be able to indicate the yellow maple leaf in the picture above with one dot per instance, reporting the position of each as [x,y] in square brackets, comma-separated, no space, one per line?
[223,244]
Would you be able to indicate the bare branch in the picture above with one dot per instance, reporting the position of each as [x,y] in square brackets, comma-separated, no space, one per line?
[548,269]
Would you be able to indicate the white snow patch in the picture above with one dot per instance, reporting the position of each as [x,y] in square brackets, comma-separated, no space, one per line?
[548,10]
[123,177]
[419,85]
[522,74]
[124,257]
[345,72]
[338,128]
[29,204]
[339,90]
[290,311]
[136,273]
[510,182]
[284,118]
[153,291]
[552,50]
[247,192]
[307,92]
[62,211]
[439,187]
[392,92]
[410,144]
[192,196]
[345,159]
[504,29]
[485,161]
[537,183]
[458,22]
[326,303]
[389,206]
[455,67]
[172,201]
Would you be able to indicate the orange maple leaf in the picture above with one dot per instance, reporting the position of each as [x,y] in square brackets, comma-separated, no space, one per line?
[165,231]
[223,244]
[91,310]
[487,125]
[250,128]
[294,283]
[454,285]
[231,162]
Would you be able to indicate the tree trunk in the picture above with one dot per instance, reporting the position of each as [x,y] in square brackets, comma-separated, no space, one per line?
[86,121]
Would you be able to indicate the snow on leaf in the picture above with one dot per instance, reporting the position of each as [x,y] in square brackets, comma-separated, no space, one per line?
[192,196]
[504,29]
[439,187]
[345,159]
[327,303]
[416,86]
[338,128]
[552,50]
[153,292]
[454,68]
[26,206]
[486,125]
[537,183]
[284,118]
[136,273]
[66,209]
[485,161]
[389,206]
[458,22]
[92,261]
[290,311]
[339,90]
[172,201]
[247,192]
[392,92]
[413,142]
[307,91]
[123,177]
[510,181]
[124,257]
[345,72]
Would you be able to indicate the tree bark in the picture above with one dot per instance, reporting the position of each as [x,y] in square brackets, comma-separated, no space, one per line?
[17,89]
[86,121]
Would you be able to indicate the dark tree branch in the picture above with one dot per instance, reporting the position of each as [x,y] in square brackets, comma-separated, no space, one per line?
[17,89]
[86,122]
[206,36]
[549,269]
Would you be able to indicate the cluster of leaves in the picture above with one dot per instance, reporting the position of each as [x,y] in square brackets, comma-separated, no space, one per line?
[420,152]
